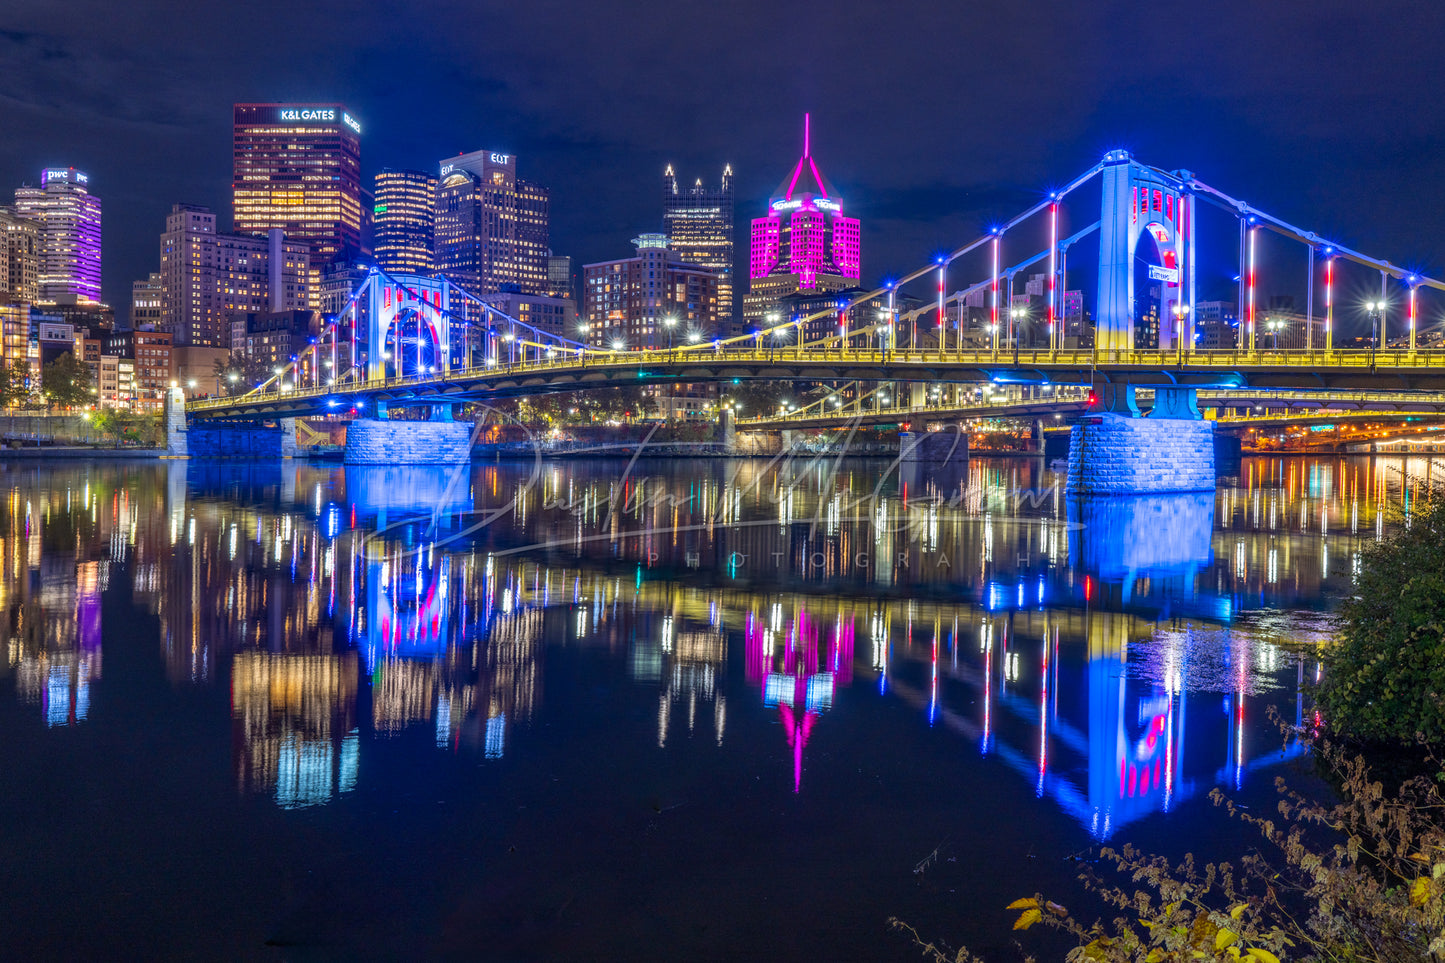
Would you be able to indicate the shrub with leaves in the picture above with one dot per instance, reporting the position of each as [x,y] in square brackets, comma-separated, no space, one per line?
[1361,880]
[1385,671]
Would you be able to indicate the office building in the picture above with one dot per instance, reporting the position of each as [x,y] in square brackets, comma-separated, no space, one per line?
[84,314]
[113,380]
[297,167]
[206,277]
[152,360]
[650,300]
[404,230]
[491,227]
[338,282]
[804,244]
[1216,326]
[19,257]
[559,277]
[145,302]
[698,222]
[273,338]
[553,315]
[67,216]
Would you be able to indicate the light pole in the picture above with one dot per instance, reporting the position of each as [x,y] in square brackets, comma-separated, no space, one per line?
[1181,311]
[778,335]
[669,322]
[1377,311]
[1016,316]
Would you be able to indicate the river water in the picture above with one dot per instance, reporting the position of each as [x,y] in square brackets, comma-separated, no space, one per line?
[610,710]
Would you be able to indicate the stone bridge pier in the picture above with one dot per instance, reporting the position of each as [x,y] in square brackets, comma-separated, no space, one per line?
[440,440]
[937,443]
[1115,451]
[225,439]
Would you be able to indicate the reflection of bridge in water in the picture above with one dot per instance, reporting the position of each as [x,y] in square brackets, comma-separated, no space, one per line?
[1074,659]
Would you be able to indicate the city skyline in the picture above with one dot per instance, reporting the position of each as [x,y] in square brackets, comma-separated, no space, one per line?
[923,156]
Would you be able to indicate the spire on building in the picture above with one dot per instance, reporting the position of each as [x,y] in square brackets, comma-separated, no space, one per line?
[801,181]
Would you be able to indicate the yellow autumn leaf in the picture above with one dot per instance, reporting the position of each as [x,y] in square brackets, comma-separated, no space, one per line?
[1223,938]
[1420,891]
[1023,903]
[1029,918]
[1156,955]
[1263,956]
[1237,911]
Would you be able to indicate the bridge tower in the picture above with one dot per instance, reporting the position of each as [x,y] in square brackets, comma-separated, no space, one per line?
[392,304]
[439,341]
[1148,206]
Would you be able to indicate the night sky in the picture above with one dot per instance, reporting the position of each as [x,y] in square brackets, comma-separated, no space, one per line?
[931,120]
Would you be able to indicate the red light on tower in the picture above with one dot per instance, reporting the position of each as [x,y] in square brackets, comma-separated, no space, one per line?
[1053,272]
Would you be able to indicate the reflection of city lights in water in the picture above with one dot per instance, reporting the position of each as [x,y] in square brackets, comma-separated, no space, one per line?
[799,679]
[462,645]
[496,736]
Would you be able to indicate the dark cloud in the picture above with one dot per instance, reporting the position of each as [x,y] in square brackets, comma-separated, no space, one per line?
[931,119]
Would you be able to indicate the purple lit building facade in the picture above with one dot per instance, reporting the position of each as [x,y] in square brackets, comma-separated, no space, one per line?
[804,244]
[68,218]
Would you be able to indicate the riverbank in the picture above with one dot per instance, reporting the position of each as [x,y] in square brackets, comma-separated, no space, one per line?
[78,452]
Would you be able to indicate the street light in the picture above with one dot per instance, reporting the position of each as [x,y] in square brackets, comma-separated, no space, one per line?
[1181,311]
[1377,312]
[669,323]
[1016,316]
[1273,325]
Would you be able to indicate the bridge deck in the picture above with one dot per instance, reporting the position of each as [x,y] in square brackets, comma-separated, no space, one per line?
[1350,404]
[1307,370]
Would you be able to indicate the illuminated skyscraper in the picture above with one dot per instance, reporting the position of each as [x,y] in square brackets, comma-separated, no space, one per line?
[405,212]
[698,223]
[68,219]
[298,167]
[652,300]
[207,277]
[19,257]
[804,243]
[491,227]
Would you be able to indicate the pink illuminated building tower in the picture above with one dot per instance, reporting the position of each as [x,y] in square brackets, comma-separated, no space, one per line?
[803,244]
